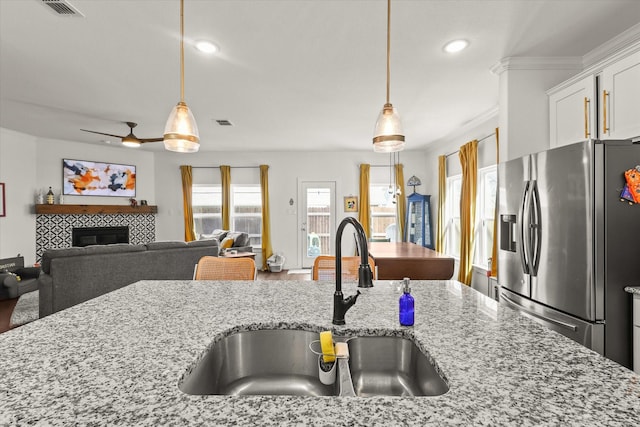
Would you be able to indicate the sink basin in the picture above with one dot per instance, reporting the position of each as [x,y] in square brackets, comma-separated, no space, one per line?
[280,362]
[263,362]
[392,366]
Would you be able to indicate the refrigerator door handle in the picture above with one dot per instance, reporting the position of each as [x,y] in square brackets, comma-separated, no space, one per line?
[524,230]
[522,308]
[536,230]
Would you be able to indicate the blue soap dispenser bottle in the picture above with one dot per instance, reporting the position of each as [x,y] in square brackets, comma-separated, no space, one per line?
[406,304]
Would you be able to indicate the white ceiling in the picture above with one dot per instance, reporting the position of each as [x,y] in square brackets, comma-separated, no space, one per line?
[291,74]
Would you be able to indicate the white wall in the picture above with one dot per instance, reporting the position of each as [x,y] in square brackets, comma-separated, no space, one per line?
[39,166]
[29,164]
[18,171]
[451,144]
[286,170]
[524,108]
[49,173]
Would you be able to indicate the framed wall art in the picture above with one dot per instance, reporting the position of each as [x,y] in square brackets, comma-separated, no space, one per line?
[85,178]
[351,204]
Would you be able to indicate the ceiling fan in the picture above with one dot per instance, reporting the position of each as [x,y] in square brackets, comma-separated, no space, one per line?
[130,140]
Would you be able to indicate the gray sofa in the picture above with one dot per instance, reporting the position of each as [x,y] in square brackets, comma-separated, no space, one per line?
[74,275]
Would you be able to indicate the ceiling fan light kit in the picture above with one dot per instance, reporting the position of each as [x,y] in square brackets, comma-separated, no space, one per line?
[388,134]
[130,142]
[181,131]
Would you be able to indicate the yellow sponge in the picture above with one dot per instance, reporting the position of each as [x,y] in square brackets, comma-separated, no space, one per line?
[328,350]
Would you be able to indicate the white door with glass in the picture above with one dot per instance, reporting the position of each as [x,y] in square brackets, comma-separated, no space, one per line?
[317,219]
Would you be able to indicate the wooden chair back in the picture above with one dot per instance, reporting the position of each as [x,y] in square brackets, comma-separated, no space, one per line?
[324,268]
[220,268]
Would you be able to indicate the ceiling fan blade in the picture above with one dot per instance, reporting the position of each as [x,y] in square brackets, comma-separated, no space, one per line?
[102,133]
[150,139]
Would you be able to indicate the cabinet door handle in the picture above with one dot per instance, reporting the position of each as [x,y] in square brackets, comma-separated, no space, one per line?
[587,133]
[605,95]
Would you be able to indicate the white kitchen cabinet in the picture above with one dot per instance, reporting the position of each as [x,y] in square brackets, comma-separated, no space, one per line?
[619,95]
[636,333]
[600,103]
[572,113]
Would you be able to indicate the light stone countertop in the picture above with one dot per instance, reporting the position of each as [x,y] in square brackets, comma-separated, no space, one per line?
[117,360]
[633,289]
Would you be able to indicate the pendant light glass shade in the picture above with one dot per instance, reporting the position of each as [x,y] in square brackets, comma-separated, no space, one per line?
[181,130]
[388,135]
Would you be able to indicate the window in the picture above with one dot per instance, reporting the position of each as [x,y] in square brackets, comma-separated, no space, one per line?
[206,202]
[246,212]
[452,223]
[245,215]
[485,211]
[383,212]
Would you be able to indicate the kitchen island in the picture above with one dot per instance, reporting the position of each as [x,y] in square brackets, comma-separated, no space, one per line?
[117,360]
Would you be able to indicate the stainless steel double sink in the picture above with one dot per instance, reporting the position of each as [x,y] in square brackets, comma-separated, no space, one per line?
[280,362]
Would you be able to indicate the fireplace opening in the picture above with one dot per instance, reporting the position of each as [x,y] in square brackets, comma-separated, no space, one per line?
[85,236]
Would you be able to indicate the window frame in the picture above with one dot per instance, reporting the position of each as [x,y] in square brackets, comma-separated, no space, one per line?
[383,187]
[233,215]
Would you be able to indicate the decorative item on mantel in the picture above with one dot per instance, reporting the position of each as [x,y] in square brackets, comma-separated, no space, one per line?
[133,202]
[50,199]
[39,197]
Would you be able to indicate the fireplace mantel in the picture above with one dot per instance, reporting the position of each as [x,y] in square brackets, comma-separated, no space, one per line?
[94,209]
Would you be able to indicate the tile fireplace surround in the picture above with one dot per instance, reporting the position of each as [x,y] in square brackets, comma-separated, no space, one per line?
[54,230]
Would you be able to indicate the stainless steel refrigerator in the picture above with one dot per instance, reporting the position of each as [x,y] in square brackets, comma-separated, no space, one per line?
[569,244]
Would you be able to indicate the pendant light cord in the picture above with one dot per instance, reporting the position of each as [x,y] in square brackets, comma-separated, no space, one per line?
[388,46]
[182,51]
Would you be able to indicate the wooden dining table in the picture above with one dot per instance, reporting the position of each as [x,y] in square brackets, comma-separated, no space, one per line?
[396,260]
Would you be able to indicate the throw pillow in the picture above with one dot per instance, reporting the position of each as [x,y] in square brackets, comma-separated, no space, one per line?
[226,243]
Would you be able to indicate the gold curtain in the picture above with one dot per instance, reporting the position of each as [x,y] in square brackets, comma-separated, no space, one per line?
[494,248]
[469,160]
[442,202]
[364,212]
[225,176]
[267,251]
[401,200]
[187,182]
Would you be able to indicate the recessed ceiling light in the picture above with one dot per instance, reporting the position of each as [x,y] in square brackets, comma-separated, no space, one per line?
[455,46]
[206,46]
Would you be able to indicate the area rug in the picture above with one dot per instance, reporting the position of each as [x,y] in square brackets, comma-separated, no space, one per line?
[307,271]
[26,309]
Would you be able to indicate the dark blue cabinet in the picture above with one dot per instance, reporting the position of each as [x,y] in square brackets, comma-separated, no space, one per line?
[418,227]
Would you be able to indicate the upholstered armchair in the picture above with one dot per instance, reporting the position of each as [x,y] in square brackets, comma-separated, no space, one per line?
[16,279]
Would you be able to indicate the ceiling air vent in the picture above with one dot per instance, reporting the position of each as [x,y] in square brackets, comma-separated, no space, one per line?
[62,8]
[224,122]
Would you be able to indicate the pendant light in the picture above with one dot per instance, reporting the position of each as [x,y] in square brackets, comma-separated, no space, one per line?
[388,135]
[181,130]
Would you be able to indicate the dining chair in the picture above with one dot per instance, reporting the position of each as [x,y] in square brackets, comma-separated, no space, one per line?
[219,268]
[324,268]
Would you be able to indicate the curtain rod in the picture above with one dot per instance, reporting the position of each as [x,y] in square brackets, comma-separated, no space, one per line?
[480,140]
[232,167]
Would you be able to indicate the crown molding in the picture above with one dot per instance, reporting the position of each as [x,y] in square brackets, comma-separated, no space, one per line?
[471,124]
[620,42]
[537,63]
